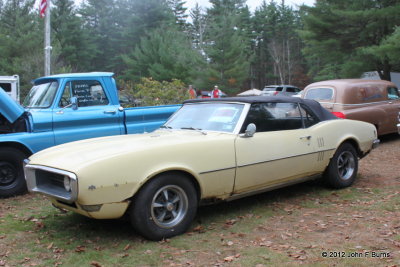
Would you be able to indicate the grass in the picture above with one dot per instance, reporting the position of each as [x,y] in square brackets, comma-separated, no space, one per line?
[244,232]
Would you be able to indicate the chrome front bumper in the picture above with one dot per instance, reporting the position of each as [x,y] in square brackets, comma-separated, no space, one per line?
[49,181]
[375,143]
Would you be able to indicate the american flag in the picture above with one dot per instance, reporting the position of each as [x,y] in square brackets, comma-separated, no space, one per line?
[42,8]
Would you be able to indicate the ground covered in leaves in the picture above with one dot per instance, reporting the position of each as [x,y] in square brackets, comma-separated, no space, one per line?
[305,224]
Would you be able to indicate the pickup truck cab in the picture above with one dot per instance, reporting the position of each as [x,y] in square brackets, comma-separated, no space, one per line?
[64,108]
[373,101]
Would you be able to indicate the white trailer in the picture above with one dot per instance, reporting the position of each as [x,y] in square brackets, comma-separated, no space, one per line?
[10,84]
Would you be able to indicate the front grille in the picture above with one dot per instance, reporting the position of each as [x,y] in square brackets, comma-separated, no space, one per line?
[50,182]
[45,179]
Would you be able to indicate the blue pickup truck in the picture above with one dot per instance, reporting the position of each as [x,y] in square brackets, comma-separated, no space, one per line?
[64,108]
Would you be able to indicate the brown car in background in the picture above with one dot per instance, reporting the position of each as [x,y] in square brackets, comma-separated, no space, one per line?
[373,101]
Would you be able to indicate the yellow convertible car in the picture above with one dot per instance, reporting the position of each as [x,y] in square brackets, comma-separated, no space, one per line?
[209,150]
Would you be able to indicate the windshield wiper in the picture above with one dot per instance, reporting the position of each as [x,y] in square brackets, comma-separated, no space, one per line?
[194,129]
[191,128]
[165,127]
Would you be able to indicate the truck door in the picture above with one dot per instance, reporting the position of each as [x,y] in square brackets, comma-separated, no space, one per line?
[95,115]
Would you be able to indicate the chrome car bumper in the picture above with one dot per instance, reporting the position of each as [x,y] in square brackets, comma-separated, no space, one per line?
[375,143]
[59,184]
[398,128]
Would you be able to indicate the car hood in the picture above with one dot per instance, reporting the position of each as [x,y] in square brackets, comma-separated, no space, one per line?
[77,155]
[10,109]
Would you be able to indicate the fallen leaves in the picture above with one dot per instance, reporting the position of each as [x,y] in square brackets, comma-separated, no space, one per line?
[95,264]
[232,257]
[80,249]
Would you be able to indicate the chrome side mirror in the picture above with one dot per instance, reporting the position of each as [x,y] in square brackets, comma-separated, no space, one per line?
[74,103]
[250,130]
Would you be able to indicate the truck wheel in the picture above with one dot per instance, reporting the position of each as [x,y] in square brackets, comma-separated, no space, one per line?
[12,181]
[164,207]
[343,167]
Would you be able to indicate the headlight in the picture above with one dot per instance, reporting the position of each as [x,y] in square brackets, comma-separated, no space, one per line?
[67,183]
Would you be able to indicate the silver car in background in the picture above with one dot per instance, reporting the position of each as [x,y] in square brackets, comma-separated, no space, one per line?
[281,90]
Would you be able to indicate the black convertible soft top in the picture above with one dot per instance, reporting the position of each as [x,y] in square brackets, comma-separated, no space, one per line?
[313,105]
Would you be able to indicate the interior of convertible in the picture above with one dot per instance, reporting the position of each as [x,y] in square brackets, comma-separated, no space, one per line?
[279,117]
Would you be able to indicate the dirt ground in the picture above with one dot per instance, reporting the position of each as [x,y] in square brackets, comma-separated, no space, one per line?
[361,231]
[304,224]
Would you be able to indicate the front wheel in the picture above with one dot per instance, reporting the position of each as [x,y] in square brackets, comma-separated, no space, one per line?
[343,167]
[12,181]
[164,207]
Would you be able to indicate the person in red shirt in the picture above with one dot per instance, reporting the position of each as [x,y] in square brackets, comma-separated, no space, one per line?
[192,92]
[216,93]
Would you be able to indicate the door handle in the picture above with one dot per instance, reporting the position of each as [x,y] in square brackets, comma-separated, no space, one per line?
[110,111]
[308,137]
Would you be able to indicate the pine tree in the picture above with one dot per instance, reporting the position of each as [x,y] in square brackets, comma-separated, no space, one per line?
[339,35]
[226,45]
[164,55]
[277,45]
[21,42]
[102,21]
[179,12]
[75,49]
[198,27]
[144,17]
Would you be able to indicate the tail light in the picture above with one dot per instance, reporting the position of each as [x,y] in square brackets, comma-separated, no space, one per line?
[276,92]
[339,115]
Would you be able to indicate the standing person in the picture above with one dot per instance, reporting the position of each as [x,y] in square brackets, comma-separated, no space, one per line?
[192,92]
[216,93]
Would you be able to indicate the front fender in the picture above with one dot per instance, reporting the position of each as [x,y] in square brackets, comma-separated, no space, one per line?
[32,142]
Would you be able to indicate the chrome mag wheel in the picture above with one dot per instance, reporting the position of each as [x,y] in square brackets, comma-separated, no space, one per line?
[346,165]
[169,206]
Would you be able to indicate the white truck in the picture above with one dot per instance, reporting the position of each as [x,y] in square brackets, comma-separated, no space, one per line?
[10,84]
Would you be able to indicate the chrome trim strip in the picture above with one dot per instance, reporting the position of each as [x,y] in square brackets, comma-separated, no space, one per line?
[361,104]
[272,187]
[31,181]
[261,162]
[218,170]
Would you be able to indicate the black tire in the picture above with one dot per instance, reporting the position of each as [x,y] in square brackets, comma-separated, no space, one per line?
[342,169]
[164,207]
[12,180]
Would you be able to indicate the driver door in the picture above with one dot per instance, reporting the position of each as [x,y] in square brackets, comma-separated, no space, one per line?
[94,117]
[281,150]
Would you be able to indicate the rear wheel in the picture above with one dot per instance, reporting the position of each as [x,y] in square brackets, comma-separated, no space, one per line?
[12,181]
[343,167]
[164,207]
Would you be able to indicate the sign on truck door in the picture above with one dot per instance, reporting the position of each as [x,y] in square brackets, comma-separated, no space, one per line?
[96,116]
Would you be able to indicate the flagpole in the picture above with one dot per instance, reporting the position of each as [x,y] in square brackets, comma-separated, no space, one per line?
[47,44]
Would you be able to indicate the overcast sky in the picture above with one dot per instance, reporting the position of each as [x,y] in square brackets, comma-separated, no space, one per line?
[251,3]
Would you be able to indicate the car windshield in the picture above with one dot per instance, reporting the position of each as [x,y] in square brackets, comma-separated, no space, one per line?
[319,94]
[41,96]
[221,117]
